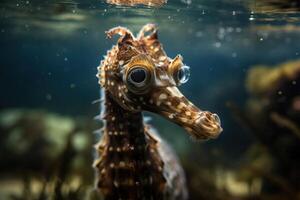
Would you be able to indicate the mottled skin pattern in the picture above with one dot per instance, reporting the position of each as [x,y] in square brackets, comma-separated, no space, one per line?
[134,163]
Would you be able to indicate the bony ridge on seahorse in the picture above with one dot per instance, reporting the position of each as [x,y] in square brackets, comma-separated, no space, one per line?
[136,75]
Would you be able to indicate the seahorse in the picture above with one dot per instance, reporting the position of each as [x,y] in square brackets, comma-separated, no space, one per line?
[136,75]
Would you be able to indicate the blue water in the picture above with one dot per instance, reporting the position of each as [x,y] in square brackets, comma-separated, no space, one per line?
[50,51]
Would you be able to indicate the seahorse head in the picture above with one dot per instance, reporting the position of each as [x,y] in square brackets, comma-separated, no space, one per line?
[141,77]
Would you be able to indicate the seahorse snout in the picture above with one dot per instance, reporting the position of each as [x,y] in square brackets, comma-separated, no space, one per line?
[172,104]
[207,124]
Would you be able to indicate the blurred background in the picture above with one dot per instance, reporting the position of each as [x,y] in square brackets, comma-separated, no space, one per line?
[245,65]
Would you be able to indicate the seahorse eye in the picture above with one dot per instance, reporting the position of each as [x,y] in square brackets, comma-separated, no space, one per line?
[138,76]
[138,79]
[182,75]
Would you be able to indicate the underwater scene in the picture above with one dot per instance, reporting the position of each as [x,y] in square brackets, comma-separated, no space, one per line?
[150,99]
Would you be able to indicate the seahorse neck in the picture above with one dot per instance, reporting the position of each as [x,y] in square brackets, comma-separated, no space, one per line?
[123,127]
[129,166]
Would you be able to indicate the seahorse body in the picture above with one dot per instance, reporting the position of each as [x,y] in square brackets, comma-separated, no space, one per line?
[137,75]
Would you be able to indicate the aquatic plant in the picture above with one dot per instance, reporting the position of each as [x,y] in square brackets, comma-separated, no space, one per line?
[272,6]
[44,155]
[273,117]
[137,75]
